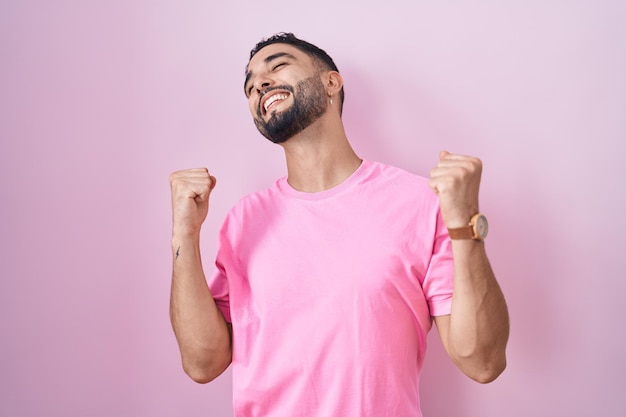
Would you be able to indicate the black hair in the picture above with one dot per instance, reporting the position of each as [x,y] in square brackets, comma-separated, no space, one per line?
[317,54]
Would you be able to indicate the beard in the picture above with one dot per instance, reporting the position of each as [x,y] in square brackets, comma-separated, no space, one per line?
[309,104]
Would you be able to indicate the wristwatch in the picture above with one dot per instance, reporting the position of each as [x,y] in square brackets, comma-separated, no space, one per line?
[476,229]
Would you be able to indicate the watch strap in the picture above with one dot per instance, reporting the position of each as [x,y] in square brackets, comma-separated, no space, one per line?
[471,230]
[465,232]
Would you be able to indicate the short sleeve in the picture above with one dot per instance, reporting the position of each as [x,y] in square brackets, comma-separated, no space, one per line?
[218,285]
[439,280]
[218,281]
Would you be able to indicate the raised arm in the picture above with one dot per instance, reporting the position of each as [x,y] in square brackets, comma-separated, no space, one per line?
[204,337]
[476,332]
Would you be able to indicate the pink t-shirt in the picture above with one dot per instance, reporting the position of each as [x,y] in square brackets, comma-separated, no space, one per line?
[331,294]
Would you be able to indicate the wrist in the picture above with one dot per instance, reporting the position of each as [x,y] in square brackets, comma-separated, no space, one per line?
[459,216]
[458,221]
[185,231]
[185,237]
[476,228]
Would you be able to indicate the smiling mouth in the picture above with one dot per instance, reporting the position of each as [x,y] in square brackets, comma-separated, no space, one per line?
[273,101]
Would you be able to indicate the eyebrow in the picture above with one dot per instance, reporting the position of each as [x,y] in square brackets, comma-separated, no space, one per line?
[267,60]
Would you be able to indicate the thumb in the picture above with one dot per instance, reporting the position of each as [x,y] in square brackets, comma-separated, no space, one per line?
[205,194]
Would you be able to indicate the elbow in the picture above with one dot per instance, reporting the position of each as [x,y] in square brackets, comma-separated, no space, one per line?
[488,371]
[483,364]
[205,372]
[204,375]
[201,376]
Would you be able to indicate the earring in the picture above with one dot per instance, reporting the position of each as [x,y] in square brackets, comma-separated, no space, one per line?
[331,100]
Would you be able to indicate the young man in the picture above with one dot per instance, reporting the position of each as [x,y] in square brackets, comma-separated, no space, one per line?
[327,283]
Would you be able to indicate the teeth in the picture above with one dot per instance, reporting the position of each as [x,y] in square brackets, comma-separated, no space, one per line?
[272,99]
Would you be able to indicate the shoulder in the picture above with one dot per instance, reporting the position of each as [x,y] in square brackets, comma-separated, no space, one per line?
[255,201]
[247,212]
[398,178]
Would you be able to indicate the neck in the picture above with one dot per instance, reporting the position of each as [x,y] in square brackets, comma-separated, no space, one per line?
[320,157]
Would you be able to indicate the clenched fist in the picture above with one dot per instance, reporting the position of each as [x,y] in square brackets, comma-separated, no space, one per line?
[190,199]
[456,180]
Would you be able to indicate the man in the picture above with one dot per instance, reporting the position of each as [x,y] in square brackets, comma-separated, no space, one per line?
[327,283]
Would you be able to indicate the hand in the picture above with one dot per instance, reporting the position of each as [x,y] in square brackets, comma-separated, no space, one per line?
[456,180]
[190,199]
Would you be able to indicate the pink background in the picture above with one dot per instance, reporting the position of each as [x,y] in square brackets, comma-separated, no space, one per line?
[99,101]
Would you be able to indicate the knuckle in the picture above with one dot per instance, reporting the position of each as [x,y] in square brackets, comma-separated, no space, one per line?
[459,172]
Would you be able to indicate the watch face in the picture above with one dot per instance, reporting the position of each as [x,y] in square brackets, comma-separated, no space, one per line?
[482,227]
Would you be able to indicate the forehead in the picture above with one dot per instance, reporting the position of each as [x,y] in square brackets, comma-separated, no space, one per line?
[266,55]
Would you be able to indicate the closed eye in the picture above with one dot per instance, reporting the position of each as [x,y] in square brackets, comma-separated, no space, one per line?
[280,64]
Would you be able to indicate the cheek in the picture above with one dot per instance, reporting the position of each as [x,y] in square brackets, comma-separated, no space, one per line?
[252,107]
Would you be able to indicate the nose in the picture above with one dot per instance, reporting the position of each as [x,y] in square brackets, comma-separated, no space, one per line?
[261,83]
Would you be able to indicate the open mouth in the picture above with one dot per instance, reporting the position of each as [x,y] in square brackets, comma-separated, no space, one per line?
[273,100]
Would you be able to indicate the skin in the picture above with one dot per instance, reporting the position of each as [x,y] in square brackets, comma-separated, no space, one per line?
[203,336]
[476,332]
[318,158]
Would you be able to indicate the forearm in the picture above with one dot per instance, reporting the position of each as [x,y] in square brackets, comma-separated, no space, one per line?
[479,323]
[201,331]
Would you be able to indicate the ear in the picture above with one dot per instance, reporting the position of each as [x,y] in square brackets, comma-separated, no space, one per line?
[333,82]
